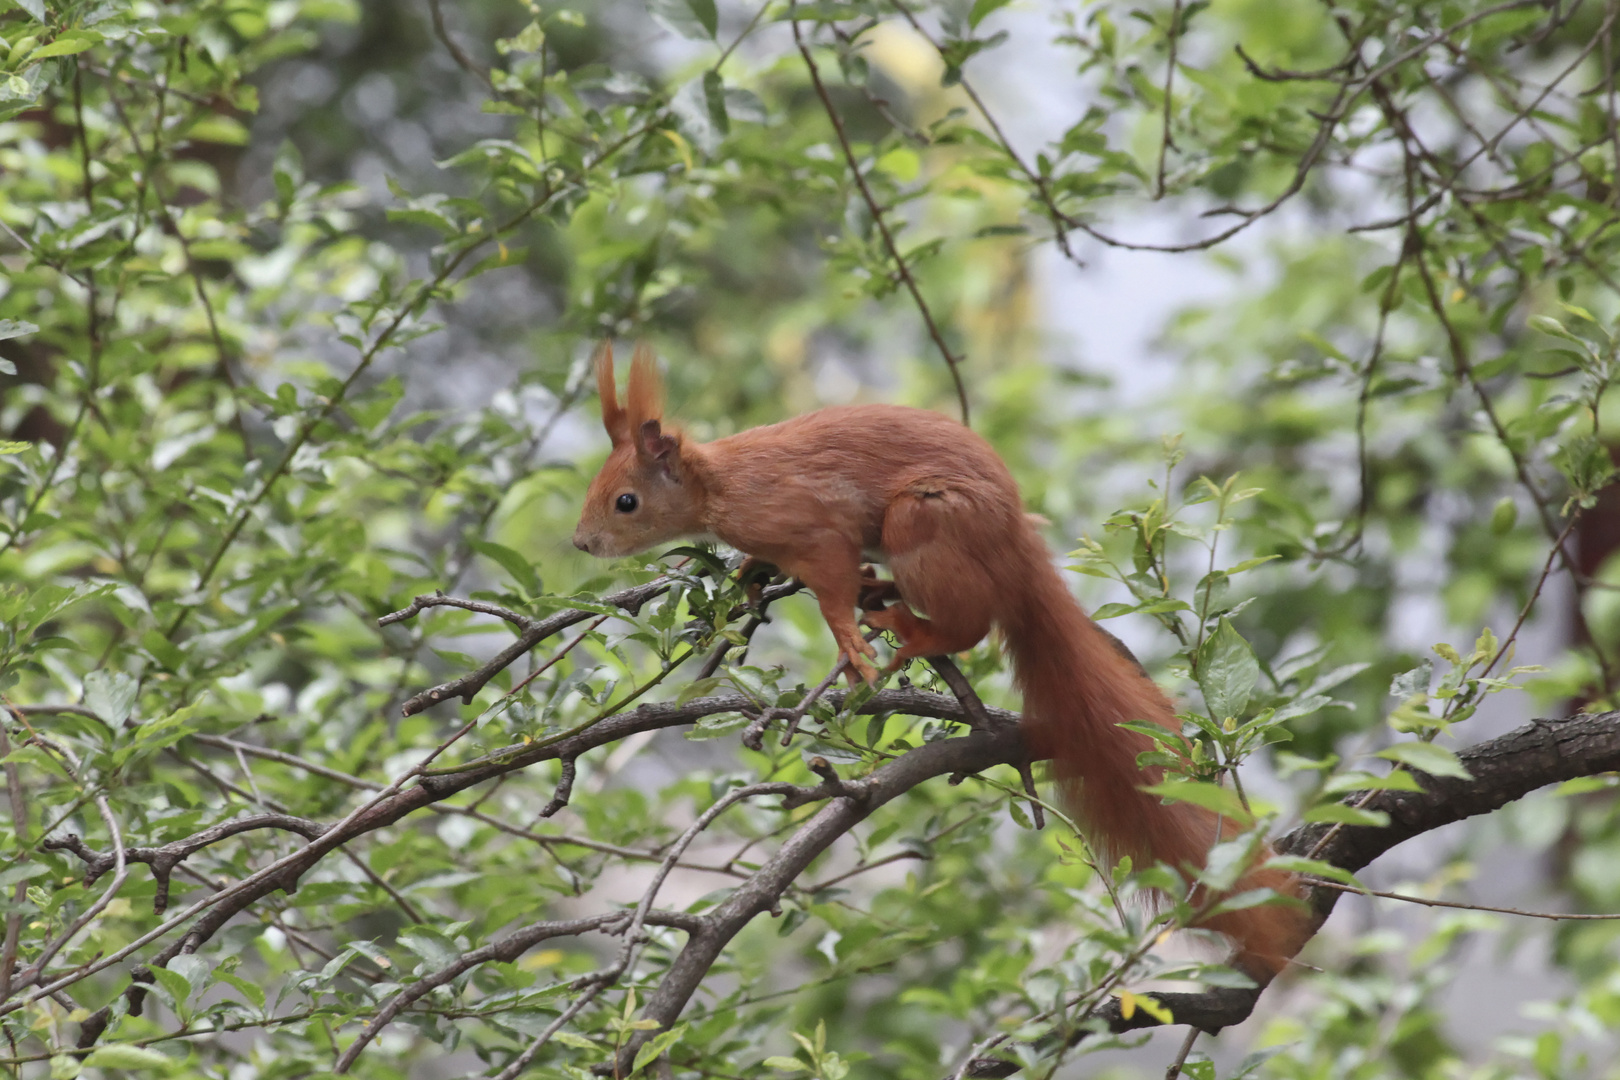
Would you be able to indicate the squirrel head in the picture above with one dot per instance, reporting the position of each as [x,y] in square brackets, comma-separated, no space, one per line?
[645,493]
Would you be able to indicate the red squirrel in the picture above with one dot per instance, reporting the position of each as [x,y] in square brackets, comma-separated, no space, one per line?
[813,495]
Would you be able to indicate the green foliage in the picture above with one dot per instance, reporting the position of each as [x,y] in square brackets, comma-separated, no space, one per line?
[297,306]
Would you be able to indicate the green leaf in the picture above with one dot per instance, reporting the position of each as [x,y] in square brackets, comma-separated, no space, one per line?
[1303,707]
[68,43]
[1505,515]
[531,39]
[520,568]
[1227,672]
[700,108]
[110,695]
[578,1042]
[1396,780]
[115,1056]
[1340,814]
[1412,683]
[983,8]
[417,215]
[1016,810]
[1223,801]
[250,990]
[902,163]
[177,985]
[1157,732]
[1129,1003]
[27,871]
[1295,864]
[655,1046]
[695,19]
[435,949]
[1585,785]
[1549,325]
[1428,758]
[786,1064]
[14,328]
[711,562]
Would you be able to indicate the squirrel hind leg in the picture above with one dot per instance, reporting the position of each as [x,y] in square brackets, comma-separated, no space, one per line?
[929,537]
[922,637]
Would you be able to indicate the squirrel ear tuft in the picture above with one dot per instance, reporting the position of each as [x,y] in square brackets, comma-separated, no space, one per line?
[646,393]
[654,445]
[614,418]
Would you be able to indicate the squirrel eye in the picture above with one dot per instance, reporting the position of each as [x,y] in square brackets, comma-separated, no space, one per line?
[626,504]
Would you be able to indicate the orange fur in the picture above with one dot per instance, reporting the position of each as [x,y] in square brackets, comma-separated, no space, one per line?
[814,494]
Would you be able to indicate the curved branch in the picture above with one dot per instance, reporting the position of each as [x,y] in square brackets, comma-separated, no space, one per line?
[502,950]
[534,632]
[1503,770]
[164,859]
[763,888]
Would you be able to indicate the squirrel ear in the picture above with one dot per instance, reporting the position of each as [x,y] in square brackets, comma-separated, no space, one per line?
[613,417]
[646,394]
[655,446]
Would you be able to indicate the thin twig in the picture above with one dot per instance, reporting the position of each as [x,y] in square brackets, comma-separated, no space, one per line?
[1061,223]
[1166,140]
[534,631]
[19,828]
[951,360]
[457,53]
[35,972]
[1181,1056]
[1406,898]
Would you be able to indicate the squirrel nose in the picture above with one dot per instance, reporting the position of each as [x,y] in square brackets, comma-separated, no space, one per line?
[581,543]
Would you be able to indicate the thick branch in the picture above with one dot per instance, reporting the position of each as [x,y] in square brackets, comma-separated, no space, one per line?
[1503,770]
[764,888]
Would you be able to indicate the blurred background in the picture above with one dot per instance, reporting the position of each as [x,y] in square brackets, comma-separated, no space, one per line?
[311,288]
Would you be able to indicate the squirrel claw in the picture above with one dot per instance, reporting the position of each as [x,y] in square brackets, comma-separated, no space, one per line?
[859,668]
[858,654]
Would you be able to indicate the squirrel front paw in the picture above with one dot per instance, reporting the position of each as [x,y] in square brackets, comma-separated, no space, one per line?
[859,653]
[754,574]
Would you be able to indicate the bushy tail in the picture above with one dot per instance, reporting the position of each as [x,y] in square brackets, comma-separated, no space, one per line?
[1078,686]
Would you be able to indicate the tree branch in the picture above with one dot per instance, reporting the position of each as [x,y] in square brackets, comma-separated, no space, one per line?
[1503,770]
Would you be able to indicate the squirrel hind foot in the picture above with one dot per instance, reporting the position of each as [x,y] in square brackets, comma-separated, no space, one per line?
[858,668]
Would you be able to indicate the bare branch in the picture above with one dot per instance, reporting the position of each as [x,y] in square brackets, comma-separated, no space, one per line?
[457,53]
[1503,770]
[534,631]
[164,859]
